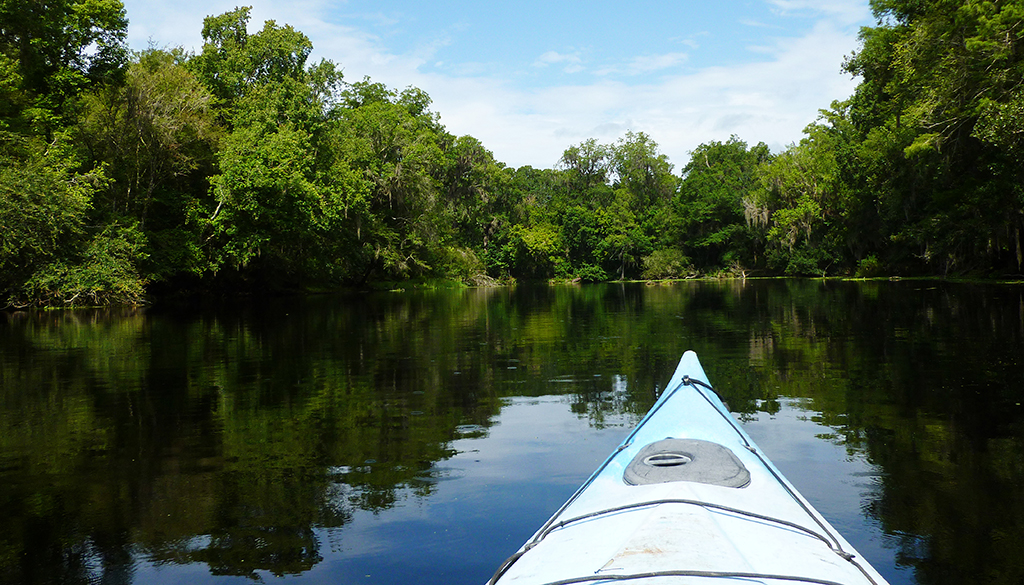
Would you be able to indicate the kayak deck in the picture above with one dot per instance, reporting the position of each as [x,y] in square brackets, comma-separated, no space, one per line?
[687,498]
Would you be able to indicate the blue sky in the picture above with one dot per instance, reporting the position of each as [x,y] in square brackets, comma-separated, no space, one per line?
[531,78]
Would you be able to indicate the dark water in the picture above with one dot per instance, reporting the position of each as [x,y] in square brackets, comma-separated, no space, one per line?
[421,437]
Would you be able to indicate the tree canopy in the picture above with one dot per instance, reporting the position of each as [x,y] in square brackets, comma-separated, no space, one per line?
[246,167]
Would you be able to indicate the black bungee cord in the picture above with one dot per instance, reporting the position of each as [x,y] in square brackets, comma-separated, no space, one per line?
[550,525]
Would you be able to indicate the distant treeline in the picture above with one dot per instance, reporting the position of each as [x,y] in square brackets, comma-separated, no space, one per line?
[246,168]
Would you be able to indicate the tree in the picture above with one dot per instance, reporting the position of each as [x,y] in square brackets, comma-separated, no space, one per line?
[586,166]
[522,201]
[278,200]
[43,206]
[157,134]
[640,169]
[54,51]
[472,181]
[709,220]
[797,205]
[942,79]
[538,251]
[234,63]
[398,155]
[625,240]
[51,253]
[583,230]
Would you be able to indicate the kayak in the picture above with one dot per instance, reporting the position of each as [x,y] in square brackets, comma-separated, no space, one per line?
[689,498]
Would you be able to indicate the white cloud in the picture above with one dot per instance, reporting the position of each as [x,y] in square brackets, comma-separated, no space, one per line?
[769,101]
[572,61]
[648,63]
[758,24]
[180,23]
[846,11]
[644,64]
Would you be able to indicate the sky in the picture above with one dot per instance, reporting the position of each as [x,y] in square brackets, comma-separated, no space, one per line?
[531,78]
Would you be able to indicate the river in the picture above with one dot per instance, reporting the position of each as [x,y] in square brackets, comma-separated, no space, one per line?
[422,436]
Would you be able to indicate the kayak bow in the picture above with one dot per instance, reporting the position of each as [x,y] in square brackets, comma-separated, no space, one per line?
[687,497]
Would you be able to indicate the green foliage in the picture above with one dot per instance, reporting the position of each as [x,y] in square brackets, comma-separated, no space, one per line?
[396,155]
[47,256]
[281,194]
[667,263]
[537,251]
[472,200]
[583,232]
[43,207]
[600,203]
[269,198]
[799,206]
[57,51]
[625,239]
[640,169]
[711,217]
[246,166]
[157,135]
[154,131]
[462,264]
[943,80]
[869,267]
[13,99]
[233,63]
[106,274]
[590,273]
[587,166]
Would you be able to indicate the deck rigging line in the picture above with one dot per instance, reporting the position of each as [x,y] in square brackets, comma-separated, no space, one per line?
[687,380]
[551,525]
[708,505]
[703,574]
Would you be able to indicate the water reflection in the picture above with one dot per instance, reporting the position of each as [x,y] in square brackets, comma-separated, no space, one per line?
[304,438]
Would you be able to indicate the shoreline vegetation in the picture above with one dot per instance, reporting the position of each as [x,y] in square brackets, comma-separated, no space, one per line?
[245,168]
[185,298]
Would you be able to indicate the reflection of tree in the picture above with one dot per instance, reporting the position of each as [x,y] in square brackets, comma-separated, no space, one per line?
[233,437]
[922,379]
[243,550]
[214,439]
[263,521]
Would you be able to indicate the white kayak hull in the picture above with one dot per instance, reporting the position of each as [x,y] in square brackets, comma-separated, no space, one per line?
[687,498]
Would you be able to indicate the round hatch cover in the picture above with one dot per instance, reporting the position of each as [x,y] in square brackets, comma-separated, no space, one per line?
[686,460]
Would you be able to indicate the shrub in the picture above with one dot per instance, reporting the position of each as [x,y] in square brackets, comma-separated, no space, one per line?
[667,263]
[591,273]
[43,207]
[460,263]
[870,267]
[107,274]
